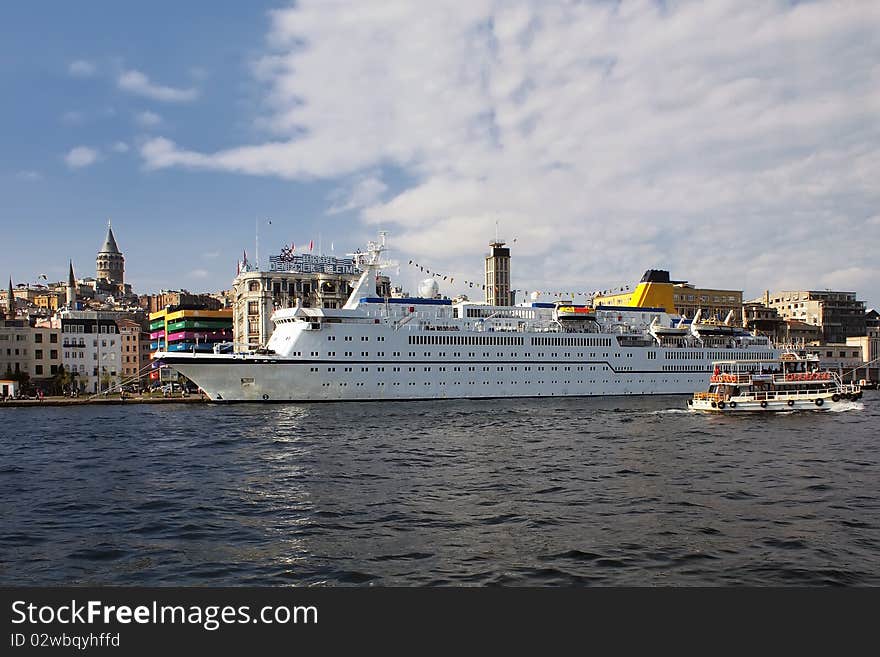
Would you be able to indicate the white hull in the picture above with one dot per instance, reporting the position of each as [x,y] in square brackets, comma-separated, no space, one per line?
[434,373]
[813,403]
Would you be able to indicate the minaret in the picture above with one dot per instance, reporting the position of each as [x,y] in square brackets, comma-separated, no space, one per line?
[10,302]
[71,288]
[110,263]
[498,275]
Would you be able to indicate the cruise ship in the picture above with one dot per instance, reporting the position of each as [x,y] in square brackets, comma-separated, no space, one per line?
[376,348]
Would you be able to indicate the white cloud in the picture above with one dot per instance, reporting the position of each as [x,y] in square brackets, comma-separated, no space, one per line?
[198,273]
[364,192]
[82,68]
[137,83]
[148,119]
[29,175]
[120,147]
[81,156]
[725,141]
[72,118]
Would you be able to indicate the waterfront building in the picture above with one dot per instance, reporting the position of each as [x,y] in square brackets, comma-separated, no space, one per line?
[27,351]
[135,351]
[872,319]
[798,332]
[498,292]
[8,388]
[764,320]
[153,303]
[16,350]
[845,358]
[91,348]
[838,314]
[870,348]
[310,280]
[713,302]
[178,328]
[46,361]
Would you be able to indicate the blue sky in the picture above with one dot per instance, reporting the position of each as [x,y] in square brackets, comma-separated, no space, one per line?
[735,143]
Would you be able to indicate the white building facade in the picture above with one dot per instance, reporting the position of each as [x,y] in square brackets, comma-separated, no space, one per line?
[91,349]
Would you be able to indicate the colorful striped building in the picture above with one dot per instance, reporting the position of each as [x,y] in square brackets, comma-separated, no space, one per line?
[188,329]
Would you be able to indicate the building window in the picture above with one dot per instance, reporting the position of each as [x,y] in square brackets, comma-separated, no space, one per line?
[254,286]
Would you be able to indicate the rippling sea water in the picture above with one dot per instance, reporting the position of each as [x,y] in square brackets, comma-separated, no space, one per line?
[541,492]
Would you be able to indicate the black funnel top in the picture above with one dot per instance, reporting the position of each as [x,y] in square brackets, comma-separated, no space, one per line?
[655,276]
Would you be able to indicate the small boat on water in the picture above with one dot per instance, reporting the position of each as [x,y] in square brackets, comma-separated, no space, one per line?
[790,383]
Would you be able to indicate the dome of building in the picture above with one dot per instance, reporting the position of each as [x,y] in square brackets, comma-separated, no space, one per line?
[428,289]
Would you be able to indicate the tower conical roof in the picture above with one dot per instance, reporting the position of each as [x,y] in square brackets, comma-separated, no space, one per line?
[71,279]
[109,242]
[10,301]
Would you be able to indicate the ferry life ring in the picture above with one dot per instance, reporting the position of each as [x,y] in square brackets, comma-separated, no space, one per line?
[733,404]
[714,404]
[721,406]
[791,402]
[819,402]
[763,404]
[265,397]
[835,397]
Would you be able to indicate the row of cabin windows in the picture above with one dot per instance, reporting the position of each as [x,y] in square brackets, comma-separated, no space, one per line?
[343,384]
[572,342]
[591,368]
[717,355]
[480,340]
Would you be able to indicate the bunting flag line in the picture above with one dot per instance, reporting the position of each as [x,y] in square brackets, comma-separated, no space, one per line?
[481,286]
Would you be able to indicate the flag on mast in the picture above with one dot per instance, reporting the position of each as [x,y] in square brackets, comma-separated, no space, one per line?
[311,245]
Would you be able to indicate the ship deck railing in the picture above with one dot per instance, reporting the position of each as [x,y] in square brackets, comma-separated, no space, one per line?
[770,377]
[774,395]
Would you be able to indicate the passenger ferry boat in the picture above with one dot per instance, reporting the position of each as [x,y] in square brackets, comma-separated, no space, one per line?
[419,348]
[789,383]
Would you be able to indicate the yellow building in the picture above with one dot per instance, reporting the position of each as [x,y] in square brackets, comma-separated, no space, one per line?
[713,302]
[49,300]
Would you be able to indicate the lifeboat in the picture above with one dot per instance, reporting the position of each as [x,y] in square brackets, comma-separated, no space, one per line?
[575,312]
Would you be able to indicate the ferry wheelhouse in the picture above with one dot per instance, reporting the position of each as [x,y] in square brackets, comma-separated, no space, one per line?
[791,382]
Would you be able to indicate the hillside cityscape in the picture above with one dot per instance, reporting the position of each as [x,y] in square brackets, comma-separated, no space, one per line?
[95,334]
